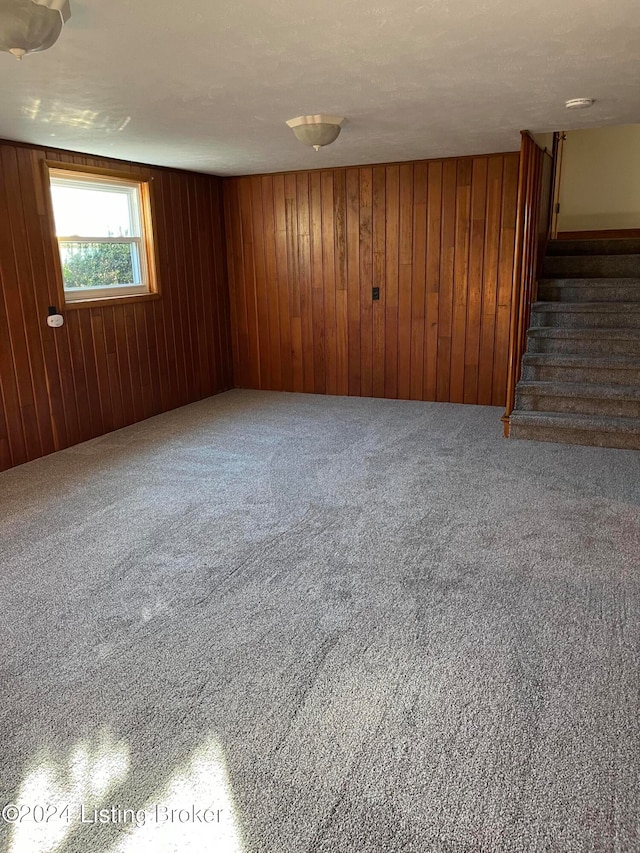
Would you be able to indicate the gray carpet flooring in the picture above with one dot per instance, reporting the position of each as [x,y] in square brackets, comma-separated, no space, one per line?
[338,624]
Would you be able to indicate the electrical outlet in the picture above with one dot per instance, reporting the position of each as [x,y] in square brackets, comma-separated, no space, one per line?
[375,293]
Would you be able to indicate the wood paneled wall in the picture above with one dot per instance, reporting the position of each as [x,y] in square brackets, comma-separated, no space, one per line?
[533,221]
[437,238]
[107,367]
[304,251]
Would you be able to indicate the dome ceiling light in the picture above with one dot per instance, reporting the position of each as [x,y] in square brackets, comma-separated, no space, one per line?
[27,26]
[316,131]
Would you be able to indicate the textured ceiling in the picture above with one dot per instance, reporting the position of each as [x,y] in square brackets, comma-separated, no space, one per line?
[208,86]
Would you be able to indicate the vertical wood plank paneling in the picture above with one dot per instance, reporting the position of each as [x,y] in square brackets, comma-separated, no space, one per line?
[435,236]
[5,446]
[537,168]
[460,281]
[447,268]
[304,278]
[270,273]
[505,277]
[365,259]
[184,257]
[379,307]
[328,283]
[317,283]
[340,268]
[107,366]
[203,345]
[102,371]
[405,258]
[113,372]
[476,260]
[253,332]
[215,282]
[418,280]
[261,297]
[122,359]
[293,267]
[490,280]
[162,312]
[152,391]
[18,300]
[353,279]
[434,226]
[282,294]
[167,239]
[91,373]
[302,252]
[41,345]
[13,436]
[59,372]
[238,294]
[392,261]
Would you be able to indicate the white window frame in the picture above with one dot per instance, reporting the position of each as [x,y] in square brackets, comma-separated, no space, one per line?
[137,190]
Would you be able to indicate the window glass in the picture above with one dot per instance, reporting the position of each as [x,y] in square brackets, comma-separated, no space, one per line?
[87,212]
[104,248]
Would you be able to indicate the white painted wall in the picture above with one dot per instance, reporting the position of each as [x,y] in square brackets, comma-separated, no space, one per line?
[600,179]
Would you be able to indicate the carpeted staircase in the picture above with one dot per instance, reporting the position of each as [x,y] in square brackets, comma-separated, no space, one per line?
[580,381]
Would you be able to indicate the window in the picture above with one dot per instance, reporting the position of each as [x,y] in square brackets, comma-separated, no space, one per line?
[103,227]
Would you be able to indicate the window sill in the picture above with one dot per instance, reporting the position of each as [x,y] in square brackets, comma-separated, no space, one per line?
[105,301]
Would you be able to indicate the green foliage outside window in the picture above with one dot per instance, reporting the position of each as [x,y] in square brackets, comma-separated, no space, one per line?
[97,264]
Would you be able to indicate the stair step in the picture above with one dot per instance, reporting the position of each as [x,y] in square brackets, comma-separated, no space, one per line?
[576,367]
[611,246]
[589,289]
[578,398]
[591,266]
[580,381]
[583,340]
[622,315]
[595,430]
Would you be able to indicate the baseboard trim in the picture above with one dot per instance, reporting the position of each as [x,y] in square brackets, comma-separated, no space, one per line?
[611,234]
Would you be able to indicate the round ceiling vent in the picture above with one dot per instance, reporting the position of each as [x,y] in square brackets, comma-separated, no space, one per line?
[579,103]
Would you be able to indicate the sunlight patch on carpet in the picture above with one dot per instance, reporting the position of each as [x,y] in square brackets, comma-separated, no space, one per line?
[55,791]
[194,811]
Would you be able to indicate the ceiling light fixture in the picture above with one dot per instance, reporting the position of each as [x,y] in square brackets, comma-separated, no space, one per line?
[316,131]
[27,26]
[579,103]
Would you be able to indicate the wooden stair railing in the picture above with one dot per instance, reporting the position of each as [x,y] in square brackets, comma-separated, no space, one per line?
[535,197]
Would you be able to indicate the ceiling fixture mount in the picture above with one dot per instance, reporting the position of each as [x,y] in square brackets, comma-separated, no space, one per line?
[316,131]
[579,103]
[27,26]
